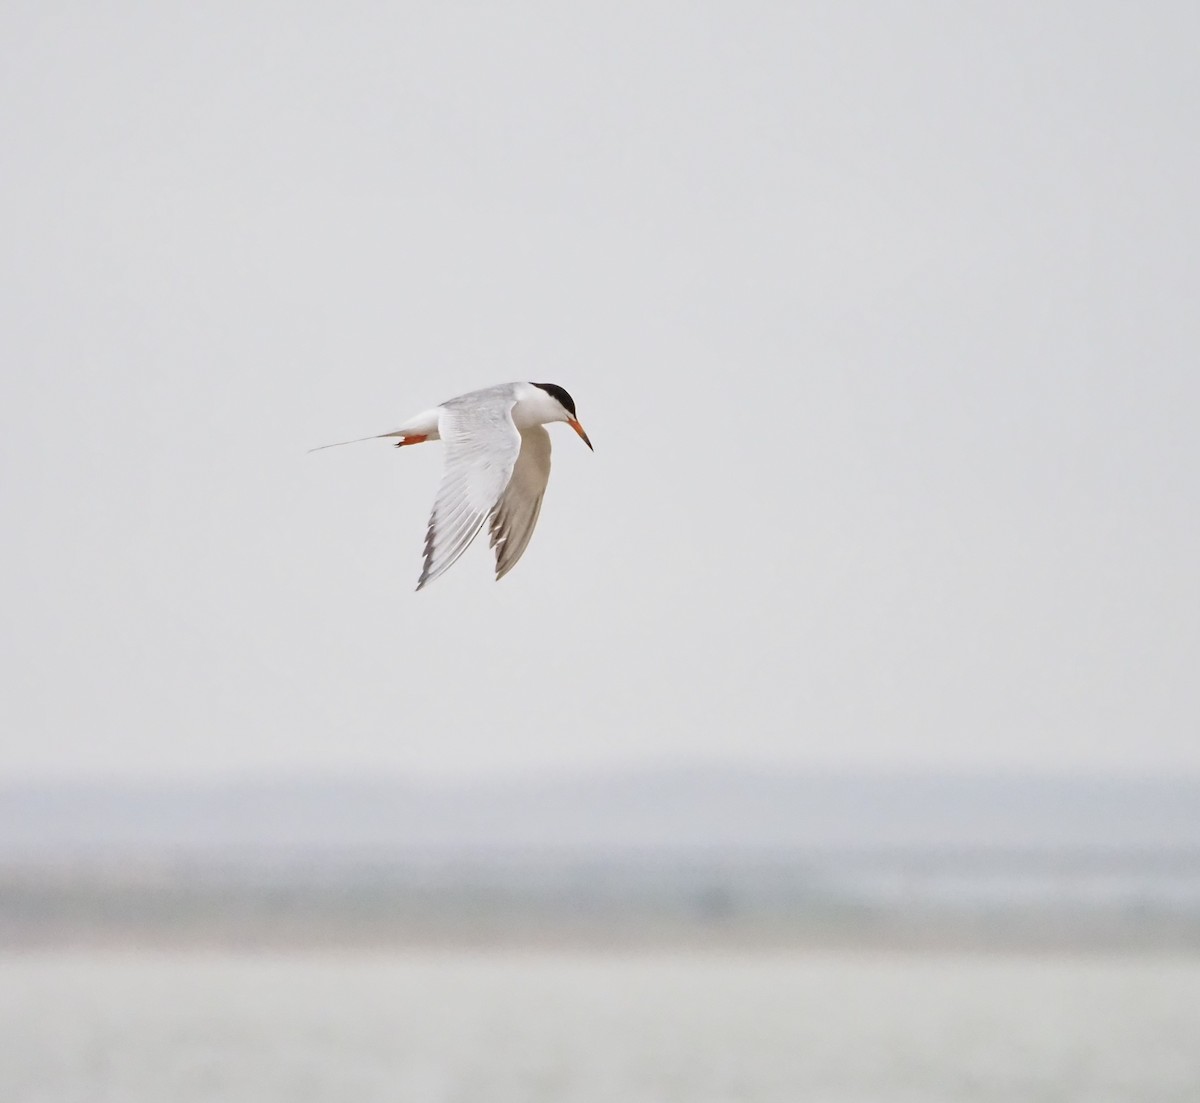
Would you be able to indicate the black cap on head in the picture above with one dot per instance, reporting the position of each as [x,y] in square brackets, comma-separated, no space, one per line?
[555,391]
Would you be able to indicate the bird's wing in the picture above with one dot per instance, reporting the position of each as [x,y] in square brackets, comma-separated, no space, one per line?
[517,511]
[481,449]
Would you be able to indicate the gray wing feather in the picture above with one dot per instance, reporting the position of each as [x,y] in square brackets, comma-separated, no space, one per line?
[517,511]
[482,445]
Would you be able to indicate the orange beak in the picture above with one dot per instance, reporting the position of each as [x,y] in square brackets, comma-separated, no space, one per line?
[579,429]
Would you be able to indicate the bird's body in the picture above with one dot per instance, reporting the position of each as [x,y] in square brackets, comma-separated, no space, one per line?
[496,469]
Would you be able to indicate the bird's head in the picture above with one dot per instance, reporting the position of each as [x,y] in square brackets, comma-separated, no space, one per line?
[564,408]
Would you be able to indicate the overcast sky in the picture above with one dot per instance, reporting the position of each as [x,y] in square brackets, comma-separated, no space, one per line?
[883,319]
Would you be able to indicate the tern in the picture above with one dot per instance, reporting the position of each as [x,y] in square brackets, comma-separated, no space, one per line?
[496,469]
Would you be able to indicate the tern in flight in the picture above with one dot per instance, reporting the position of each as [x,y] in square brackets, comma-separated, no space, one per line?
[497,466]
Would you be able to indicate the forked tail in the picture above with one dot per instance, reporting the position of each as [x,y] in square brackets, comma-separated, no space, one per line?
[359,440]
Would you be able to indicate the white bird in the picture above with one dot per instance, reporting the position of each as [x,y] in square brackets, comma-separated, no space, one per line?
[497,466]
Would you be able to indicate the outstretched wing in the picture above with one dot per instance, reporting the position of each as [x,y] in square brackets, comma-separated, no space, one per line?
[516,513]
[481,444]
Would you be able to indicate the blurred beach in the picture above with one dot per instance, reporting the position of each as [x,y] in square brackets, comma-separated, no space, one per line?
[671,935]
[662,1026]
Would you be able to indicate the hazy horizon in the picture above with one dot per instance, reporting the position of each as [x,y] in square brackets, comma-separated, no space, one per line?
[649,810]
[634,767]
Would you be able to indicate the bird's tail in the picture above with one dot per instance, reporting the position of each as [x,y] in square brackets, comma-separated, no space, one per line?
[359,440]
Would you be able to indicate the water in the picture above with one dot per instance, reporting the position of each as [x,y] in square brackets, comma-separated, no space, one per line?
[503,1027]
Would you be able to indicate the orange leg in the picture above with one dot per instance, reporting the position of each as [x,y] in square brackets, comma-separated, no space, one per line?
[411,440]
